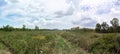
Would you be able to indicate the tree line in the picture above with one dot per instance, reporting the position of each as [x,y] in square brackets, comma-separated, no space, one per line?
[105,28]
[10,28]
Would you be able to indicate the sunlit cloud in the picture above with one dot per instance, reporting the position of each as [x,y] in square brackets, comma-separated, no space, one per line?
[58,14]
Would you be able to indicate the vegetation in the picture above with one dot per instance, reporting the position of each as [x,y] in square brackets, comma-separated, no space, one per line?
[104,40]
[105,28]
[107,44]
[36,28]
[37,42]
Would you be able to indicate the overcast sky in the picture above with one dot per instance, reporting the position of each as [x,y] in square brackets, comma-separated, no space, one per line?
[57,14]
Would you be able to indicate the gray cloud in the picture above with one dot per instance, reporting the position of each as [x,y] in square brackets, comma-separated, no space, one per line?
[85,8]
[117,3]
[90,24]
[59,14]
[85,22]
[103,10]
[69,11]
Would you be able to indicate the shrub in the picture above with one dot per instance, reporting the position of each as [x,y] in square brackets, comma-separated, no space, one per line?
[107,44]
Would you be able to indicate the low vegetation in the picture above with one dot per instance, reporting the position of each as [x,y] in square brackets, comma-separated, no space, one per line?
[104,39]
[37,42]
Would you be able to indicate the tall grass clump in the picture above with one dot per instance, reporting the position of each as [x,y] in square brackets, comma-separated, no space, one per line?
[107,44]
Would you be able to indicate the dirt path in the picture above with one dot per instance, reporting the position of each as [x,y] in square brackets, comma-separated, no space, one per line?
[70,48]
[4,48]
[4,52]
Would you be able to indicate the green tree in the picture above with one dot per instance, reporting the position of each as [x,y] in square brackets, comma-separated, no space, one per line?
[118,29]
[98,27]
[8,28]
[104,27]
[36,28]
[24,27]
[110,30]
[115,24]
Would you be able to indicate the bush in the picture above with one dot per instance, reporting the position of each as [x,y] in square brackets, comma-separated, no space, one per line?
[107,44]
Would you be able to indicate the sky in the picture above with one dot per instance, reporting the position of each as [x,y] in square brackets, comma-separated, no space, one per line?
[58,14]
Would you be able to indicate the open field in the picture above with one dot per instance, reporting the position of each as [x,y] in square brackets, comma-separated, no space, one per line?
[58,42]
[59,26]
[35,42]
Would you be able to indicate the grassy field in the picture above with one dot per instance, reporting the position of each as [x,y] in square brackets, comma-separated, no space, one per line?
[36,42]
[58,42]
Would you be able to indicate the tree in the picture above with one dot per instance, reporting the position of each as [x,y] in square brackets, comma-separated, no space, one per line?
[118,29]
[24,27]
[104,27]
[7,28]
[75,28]
[110,30]
[115,24]
[98,27]
[36,28]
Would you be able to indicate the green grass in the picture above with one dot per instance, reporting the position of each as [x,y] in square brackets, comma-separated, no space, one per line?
[33,42]
[58,42]
[2,47]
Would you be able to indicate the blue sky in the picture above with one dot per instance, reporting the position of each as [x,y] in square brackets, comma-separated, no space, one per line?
[57,14]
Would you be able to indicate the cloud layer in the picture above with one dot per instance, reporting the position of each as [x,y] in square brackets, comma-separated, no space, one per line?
[58,14]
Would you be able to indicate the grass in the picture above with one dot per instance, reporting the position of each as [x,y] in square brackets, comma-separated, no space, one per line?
[35,42]
[4,49]
[88,40]
[58,42]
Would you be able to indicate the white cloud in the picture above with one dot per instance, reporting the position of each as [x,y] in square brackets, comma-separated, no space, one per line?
[42,12]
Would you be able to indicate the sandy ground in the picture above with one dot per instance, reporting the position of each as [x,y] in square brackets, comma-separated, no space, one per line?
[4,52]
